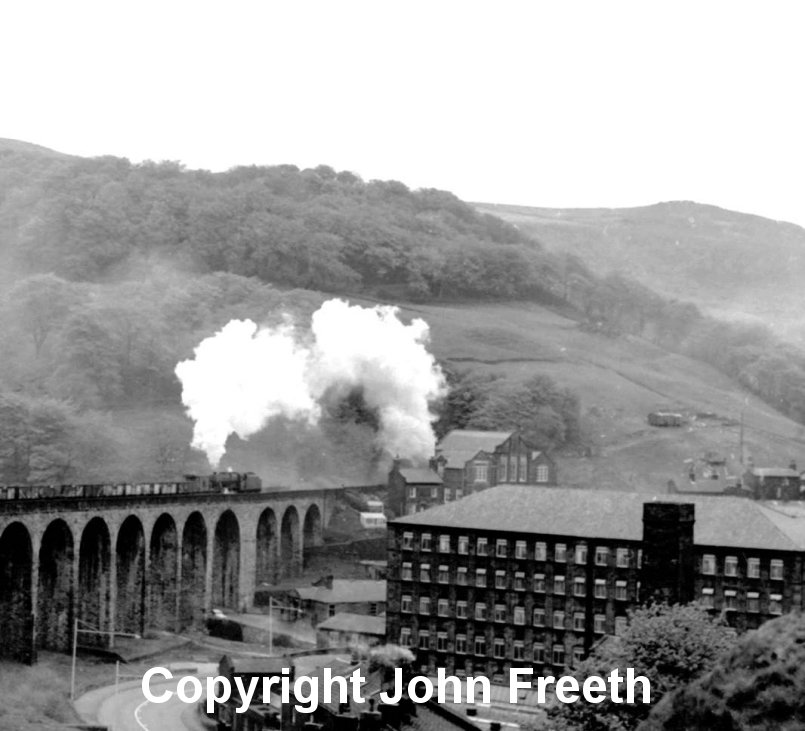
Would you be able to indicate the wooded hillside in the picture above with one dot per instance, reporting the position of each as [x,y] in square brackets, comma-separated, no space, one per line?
[113,272]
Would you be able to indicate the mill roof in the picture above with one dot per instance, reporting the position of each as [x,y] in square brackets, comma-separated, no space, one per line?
[461,445]
[731,522]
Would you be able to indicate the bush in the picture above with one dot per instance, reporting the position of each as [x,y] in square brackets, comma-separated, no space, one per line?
[759,685]
[668,645]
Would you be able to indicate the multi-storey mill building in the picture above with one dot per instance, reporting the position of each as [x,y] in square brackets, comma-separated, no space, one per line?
[524,575]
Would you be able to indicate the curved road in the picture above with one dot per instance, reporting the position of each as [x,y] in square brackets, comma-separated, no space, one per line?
[128,710]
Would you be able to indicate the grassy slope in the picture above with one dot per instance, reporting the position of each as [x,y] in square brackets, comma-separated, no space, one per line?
[731,264]
[619,381]
[10,145]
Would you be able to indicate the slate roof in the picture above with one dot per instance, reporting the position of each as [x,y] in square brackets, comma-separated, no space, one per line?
[372,686]
[774,472]
[427,719]
[703,487]
[257,666]
[461,445]
[424,720]
[345,591]
[420,476]
[731,522]
[349,622]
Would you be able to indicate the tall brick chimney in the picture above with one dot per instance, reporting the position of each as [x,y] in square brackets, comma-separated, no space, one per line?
[668,562]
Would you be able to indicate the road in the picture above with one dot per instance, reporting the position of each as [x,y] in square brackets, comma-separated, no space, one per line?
[128,710]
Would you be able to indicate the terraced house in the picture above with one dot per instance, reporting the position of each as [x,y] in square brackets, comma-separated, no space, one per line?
[519,574]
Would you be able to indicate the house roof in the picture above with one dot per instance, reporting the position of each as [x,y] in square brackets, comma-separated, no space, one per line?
[461,445]
[426,719]
[420,476]
[370,688]
[731,522]
[350,622]
[703,487]
[525,713]
[345,591]
[774,472]
[256,666]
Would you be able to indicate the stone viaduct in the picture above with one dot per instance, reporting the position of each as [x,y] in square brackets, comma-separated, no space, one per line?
[127,563]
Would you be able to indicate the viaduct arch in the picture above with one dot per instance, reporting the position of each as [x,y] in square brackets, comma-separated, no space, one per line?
[129,563]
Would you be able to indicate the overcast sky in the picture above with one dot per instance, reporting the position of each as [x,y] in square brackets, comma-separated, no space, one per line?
[571,104]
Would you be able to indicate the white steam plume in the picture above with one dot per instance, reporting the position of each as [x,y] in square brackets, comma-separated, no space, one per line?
[243,376]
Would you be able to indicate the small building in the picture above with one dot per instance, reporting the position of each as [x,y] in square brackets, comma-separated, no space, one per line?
[349,630]
[774,483]
[373,521]
[726,488]
[470,461]
[259,716]
[467,461]
[665,418]
[412,489]
[330,596]
[463,460]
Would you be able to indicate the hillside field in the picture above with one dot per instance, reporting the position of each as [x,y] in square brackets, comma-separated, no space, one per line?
[619,380]
[734,266]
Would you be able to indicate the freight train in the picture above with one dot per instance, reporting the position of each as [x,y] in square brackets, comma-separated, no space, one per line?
[217,482]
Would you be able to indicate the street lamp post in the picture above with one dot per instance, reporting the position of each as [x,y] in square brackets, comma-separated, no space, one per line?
[89,631]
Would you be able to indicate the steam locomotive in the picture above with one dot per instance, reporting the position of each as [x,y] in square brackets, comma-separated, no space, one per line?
[217,482]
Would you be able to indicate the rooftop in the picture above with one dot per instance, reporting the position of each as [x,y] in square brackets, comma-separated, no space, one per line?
[257,666]
[426,719]
[702,487]
[349,622]
[461,445]
[526,713]
[345,591]
[720,521]
[420,476]
[774,472]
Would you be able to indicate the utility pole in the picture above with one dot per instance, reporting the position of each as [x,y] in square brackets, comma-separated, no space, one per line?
[91,631]
[75,653]
[741,440]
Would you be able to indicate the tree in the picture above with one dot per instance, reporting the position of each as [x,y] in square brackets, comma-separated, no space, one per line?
[40,304]
[466,393]
[759,684]
[669,645]
[43,440]
[546,414]
[116,352]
